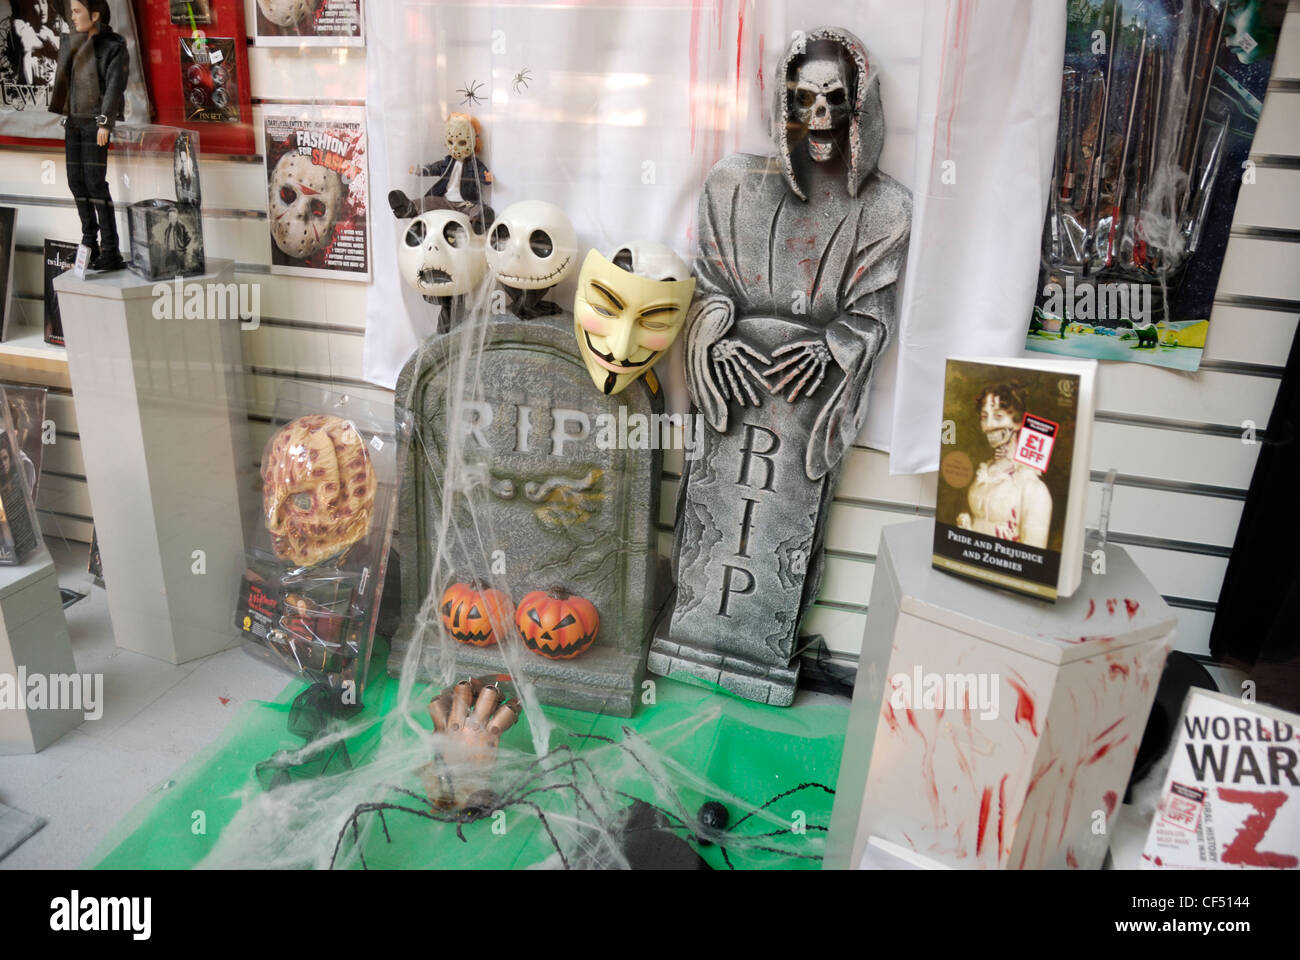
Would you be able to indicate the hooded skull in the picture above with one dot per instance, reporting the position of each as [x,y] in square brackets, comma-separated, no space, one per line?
[318,489]
[441,255]
[821,105]
[286,13]
[828,92]
[304,202]
[531,246]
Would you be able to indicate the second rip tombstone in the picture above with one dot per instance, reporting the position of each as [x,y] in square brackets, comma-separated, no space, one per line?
[799,255]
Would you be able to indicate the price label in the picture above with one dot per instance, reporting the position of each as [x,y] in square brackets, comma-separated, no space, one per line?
[1034,445]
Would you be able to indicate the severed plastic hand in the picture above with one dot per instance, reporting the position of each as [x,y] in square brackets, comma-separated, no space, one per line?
[806,360]
[733,366]
[471,718]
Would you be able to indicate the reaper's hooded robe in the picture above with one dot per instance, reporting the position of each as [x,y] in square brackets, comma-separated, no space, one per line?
[828,262]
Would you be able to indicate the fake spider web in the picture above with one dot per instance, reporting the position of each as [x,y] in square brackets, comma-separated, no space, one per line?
[364,791]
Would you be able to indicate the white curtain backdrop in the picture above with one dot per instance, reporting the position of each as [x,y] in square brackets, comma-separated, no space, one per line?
[617,110]
[986,130]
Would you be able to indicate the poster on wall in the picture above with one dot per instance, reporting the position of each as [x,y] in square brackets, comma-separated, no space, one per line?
[210,79]
[296,23]
[317,200]
[1158,111]
[30,34]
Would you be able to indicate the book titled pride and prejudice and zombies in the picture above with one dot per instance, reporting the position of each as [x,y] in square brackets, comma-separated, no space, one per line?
[1013,472]
[1231,798]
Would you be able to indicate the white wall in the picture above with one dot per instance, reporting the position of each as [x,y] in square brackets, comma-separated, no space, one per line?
[1174,438]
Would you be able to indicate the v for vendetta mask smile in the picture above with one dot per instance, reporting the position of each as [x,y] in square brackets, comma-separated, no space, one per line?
[628,311]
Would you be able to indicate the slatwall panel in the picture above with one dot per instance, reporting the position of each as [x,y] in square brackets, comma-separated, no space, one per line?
[1173,438]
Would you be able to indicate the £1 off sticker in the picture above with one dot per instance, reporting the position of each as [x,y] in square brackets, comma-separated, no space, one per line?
[1034,445]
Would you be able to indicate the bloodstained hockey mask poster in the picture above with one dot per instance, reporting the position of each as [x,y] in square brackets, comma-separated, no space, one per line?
[324,23]
[317,192]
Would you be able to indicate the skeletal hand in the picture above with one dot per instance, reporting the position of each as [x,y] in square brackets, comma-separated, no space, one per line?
[733,365]
[807,360]
[471,718]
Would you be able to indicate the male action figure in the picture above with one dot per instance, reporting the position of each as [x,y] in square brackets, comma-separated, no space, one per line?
[176,240]
[89,91]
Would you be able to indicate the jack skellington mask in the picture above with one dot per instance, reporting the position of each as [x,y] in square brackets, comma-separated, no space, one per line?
[441,254]
[530,248]
[628,310]
[318,489]
[304,202]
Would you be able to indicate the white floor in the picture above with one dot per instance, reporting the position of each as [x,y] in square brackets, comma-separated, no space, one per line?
[156,716]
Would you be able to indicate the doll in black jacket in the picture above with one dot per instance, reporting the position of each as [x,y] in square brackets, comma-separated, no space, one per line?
[89,91]
[461,179]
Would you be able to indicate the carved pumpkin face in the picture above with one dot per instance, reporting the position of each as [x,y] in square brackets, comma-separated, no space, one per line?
[474,614]
[556,624]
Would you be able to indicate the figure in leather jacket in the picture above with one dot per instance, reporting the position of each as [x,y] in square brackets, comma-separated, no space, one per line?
[89,92]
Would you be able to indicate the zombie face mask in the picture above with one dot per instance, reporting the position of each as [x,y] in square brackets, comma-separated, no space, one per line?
[460,136]
[628,311]
[318,489]
[440,254]
[303,204]
[531,246]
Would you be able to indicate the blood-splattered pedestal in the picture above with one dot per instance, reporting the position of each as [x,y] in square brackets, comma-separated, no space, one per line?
[990,730]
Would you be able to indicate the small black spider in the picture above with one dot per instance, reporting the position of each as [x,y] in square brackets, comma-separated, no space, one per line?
[521,80]
[470,93]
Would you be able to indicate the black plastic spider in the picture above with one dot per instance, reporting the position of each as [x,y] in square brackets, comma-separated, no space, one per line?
[521,80]
[534,781]
[470,93]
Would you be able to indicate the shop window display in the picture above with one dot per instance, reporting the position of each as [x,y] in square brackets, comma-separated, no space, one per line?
[560,544]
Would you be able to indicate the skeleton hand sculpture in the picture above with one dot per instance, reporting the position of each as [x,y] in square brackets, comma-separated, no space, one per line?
[732,368]
[807,357]
[470,718]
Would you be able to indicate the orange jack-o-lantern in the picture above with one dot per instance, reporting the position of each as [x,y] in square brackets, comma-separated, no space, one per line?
[474,613]
[557,624]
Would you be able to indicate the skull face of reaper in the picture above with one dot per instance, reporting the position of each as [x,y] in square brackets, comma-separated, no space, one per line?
[304,203]
[318,489]
[440,254]
[286,13]
[819,106]
[532,245]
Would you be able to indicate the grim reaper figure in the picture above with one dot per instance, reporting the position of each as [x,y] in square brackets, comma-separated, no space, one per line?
[799,256]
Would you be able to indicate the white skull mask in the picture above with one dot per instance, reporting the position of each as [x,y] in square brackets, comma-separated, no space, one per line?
[820,104]
[440,255]
[304,202]
[531,246]
[286,13]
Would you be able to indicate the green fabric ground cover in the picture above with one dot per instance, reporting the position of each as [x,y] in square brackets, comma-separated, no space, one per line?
[748,751]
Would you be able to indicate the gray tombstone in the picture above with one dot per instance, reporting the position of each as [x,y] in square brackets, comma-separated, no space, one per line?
[538,491]
[799,256]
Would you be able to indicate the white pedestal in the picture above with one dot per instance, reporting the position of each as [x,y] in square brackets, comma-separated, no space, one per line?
[33,643]
[164,436]
[1031,776]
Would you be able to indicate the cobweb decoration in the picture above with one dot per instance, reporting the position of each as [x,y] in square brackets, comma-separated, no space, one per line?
[356,795]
